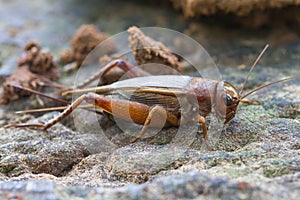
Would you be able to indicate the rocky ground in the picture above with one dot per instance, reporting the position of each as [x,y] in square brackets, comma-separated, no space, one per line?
[256,156]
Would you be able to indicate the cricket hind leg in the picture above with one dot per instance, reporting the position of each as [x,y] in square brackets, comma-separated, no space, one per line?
[171,119]
[127,67]
[90,98]
[106,104]
[54,120]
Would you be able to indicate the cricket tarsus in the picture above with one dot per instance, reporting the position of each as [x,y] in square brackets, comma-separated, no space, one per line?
[37,125]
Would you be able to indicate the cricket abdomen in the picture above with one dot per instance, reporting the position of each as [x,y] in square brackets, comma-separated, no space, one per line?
[129,110]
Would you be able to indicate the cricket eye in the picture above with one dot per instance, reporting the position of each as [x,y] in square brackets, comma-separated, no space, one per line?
[228,100]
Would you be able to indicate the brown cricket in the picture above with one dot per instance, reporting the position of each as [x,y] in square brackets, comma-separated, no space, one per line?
[145,99]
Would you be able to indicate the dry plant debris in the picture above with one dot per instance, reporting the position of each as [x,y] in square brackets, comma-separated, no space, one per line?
[147,50]
[34,68]
[38,61]
[85,39]
[192,8]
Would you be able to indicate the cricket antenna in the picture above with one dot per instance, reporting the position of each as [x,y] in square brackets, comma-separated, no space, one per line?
[267,85]
[251,69]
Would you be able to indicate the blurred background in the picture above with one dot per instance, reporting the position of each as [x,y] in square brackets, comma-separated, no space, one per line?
[230,31]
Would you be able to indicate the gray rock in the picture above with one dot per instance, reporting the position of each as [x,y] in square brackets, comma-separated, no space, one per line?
[188,185]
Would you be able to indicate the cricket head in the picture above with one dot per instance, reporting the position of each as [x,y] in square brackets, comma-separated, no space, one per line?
[231,101]
[226,101]
[231,98]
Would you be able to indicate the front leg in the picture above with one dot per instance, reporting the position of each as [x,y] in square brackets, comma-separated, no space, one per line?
[202,121]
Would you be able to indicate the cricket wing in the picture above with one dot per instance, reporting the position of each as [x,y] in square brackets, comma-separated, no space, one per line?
[161,81]
[151,97]
[168,85]
[168,91]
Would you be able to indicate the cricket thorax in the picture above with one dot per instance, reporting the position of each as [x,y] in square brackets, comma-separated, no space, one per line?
[204,90]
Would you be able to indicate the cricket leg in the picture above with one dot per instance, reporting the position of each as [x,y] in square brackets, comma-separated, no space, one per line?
[202,120]
[156,111]
[138,112]
[203,123]
[127,67]
[56,119]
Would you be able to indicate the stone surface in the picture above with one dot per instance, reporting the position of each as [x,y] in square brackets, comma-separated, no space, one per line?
[191,184]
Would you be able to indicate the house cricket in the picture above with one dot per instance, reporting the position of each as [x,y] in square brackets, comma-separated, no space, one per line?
[147,97]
